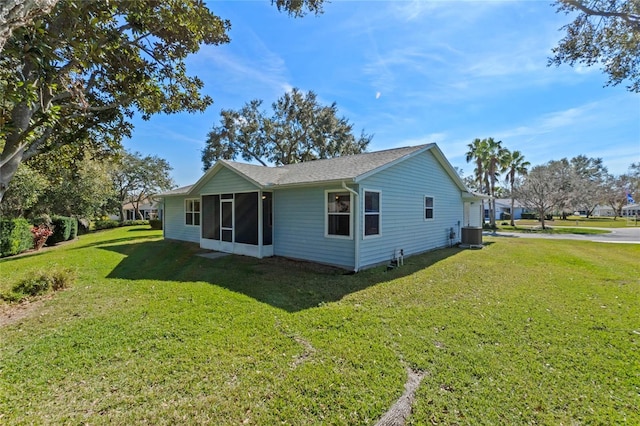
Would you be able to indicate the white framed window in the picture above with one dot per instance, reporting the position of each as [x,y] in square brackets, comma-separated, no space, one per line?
[428,208]
[338,218]
[192,212]
[371,213]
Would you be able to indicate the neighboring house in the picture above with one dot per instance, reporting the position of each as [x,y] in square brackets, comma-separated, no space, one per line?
[353,211]
[148,209]
[631,210]
[603,211]
[503,209]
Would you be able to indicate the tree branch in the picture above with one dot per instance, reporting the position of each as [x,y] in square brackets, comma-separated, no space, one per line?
[632,20]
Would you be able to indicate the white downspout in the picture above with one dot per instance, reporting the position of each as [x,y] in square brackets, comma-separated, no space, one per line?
[356,233]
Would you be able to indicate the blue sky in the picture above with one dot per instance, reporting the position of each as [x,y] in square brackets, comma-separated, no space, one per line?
[410,72]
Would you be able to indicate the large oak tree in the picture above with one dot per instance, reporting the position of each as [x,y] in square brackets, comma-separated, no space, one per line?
[82,71]
[299,129]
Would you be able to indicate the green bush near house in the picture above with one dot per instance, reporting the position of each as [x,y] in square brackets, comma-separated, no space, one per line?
[105,224]
[155,223]
[134,222]
[74,228]
[62,226]
[15,237]
[39,283]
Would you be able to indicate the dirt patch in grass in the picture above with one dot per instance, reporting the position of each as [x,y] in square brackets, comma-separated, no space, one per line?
[10,313]
[401,410]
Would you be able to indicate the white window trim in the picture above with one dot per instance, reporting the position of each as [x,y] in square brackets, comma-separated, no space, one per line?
[424,208]
[184,217]
[364,213]
[326,214]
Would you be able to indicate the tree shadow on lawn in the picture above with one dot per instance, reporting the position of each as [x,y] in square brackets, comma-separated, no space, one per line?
[282,283]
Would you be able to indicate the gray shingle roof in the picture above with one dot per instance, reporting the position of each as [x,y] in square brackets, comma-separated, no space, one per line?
[339,168]
[348,167]
[178,191]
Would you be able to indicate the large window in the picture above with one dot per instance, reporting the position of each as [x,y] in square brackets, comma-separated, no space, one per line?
[339,214]
[371,213]
[428,208]
[192,212]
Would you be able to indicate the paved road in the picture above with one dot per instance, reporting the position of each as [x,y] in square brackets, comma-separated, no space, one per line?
[617,235]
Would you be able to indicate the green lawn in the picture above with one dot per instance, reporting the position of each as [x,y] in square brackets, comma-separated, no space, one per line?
[552,229]
[580,221]
[525,331]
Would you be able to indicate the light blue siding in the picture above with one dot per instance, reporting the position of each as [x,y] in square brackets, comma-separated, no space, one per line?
[226,181]
[403,226]
[299,221]
[174,221]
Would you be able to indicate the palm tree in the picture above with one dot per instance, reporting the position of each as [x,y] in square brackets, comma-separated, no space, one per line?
[515,165]
[494,165]
[478,152]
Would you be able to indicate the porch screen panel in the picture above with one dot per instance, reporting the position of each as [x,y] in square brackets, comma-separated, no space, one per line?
[211,217]
[267,218]
[246,226]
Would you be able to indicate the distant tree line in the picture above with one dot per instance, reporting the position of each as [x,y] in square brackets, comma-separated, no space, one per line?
[86,185]
[559,187]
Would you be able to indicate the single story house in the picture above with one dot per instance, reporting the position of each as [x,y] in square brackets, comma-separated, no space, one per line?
[353,212]
[503,209]
[631,210]
[148,209]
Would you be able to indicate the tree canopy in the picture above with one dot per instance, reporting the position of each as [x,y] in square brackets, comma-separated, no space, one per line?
[299,129]
[604,32]
[83,70]
[138,177]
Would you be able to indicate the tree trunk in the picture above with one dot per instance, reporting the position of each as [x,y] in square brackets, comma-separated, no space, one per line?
[18,13]
[12,152]
[513,223]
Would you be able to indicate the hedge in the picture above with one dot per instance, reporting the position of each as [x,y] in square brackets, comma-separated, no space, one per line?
[15,237]
[61,229]
[155,223]
[74,228]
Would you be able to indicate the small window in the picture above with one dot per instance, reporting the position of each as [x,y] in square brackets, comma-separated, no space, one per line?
[428,208]
[192,212]
[339,214]
[371,213]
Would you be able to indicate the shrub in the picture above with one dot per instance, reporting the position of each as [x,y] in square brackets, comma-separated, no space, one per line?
[529,216]
[62,278]
[155,223]
[62,229]
[38,283]
[105,224]
[33,285]
[135,222]
[41,234]
[74,228]
[83,226]
[15,237]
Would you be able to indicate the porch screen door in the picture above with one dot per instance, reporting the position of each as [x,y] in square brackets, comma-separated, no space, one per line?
[226,217]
